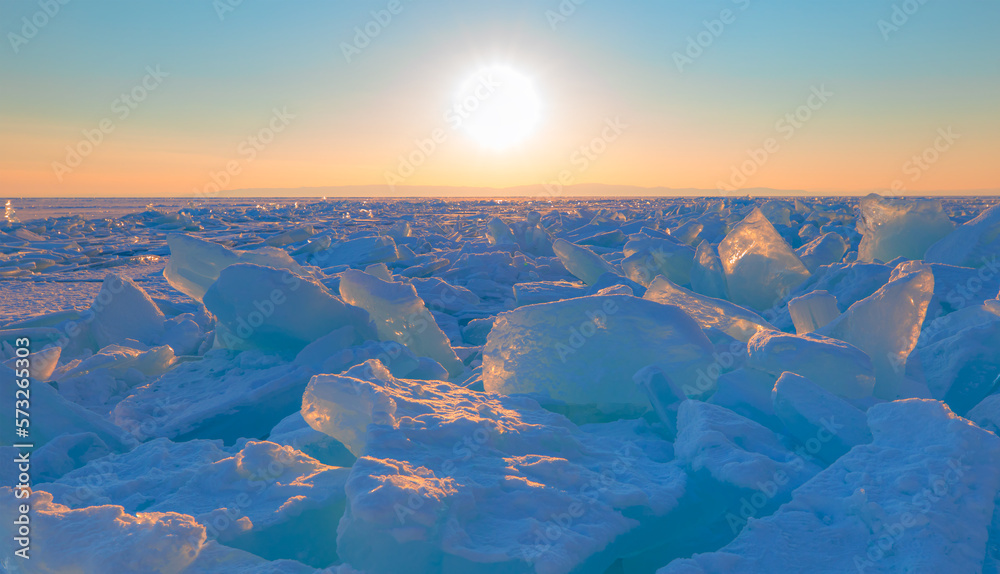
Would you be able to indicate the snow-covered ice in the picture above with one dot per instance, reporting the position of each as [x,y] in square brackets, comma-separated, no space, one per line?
[920,500]
[548,386]
[452,479]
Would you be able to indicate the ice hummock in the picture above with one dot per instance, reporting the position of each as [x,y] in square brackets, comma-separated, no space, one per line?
[812,311]
[400,315]
[122,310]
[713,400]
[760,267]
[890,506]
[472,480]
[195,264]
[736,451]
[647,256]
[269,308]
[735,321]
[834,365]
[814,415]
[894,228]
[823,250]
[255,498]
[707,275]
[582,261]
[561,349]
[886,326]
[972,244]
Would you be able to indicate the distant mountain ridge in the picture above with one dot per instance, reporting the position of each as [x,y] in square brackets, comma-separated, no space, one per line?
[543,192]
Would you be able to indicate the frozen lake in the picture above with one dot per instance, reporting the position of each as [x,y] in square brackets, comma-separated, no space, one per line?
[540,385]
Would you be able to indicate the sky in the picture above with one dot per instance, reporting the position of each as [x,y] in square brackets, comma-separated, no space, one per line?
[200,97]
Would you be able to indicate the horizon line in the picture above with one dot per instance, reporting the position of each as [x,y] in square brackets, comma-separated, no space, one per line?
[532,191]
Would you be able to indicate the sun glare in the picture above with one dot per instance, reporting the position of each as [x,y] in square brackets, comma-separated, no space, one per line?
[498,107]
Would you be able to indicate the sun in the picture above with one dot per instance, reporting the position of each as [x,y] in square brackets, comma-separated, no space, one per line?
[497,107]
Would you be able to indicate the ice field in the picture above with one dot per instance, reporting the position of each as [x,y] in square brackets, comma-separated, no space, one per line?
[548,386]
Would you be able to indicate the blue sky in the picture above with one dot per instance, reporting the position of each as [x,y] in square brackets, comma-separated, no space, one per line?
[688,128]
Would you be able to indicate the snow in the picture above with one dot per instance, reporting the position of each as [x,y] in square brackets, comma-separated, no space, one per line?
[734,450]
[465,479]
[914,501]
[541,386]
